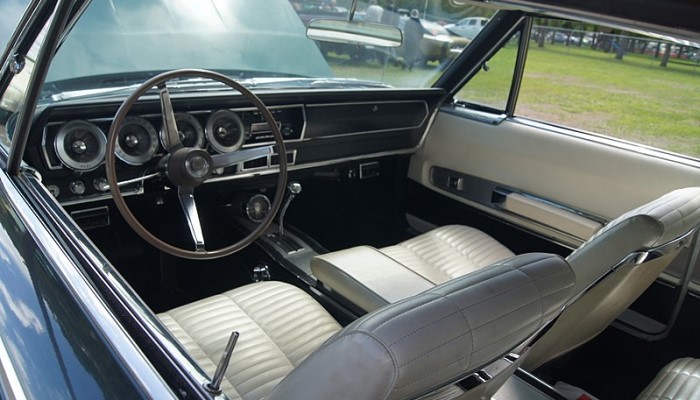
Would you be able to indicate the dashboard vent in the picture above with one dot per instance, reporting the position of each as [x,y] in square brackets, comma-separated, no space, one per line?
[257,163]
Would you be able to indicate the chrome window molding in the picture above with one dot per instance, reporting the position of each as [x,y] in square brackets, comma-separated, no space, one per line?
[492,118]
[10,383]
[136,308]
[135,361]
[609,141]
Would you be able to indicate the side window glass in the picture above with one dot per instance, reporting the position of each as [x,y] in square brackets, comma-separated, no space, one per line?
[621,84]
[490,87]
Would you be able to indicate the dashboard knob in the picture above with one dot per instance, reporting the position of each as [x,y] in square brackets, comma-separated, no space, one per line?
[100,184]
[77,187]
[54,190]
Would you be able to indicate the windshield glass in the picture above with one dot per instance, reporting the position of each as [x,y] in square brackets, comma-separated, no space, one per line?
[118,43]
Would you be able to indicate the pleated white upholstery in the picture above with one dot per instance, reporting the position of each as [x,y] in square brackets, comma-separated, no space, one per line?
[372,278]
[279,324]
[679,380]
[417,345]
[448,252]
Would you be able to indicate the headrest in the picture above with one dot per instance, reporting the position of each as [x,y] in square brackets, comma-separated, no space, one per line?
[437,337]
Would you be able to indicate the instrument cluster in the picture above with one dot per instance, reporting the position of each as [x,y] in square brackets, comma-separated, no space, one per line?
[80,145]
[74,149]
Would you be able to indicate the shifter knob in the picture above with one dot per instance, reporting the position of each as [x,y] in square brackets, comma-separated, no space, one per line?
[294,188]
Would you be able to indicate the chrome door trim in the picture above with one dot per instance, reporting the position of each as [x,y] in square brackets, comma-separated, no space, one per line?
[8,375]
[132,357]
[610,141]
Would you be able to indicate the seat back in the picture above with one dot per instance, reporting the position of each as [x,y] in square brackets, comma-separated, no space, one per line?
[616,266]
[436,338]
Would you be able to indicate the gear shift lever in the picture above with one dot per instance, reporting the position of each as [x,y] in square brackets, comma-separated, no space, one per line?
[294,188]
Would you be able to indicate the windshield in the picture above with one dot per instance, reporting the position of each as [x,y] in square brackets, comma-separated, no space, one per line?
[118,43]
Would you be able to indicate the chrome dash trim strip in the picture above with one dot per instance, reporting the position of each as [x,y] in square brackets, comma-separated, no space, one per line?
[256,172]
[274,170]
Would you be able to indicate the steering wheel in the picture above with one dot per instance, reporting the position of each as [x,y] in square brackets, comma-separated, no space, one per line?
[187,168]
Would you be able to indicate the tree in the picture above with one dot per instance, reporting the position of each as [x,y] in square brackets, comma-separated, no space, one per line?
[542,32]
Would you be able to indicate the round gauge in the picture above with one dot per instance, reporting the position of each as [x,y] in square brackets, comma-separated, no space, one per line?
[258,207]
[189,129]
[80,145]
[137,141]
[225,131]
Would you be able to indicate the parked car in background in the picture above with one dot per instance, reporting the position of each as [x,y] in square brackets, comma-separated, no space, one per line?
[468,27]
[170,170]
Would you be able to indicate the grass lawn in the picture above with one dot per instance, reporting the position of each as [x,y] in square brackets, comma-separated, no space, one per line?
[633,99]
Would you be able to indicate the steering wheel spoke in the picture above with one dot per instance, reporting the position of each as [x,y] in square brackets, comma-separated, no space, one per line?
[187,168]
[172,136]
[235,157]
[186,196]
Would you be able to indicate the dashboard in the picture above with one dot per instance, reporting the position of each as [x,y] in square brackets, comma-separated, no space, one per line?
[67,146]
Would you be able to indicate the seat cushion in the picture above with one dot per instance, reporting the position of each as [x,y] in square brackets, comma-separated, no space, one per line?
[279,326]
[679,380]
[414,346]
[372,278]
[448,252]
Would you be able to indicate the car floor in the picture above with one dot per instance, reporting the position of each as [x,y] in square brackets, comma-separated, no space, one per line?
[616,365]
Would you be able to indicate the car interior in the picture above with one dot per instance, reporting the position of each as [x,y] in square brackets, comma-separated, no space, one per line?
[436,249]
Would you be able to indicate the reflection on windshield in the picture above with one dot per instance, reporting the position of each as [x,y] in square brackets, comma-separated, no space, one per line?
[163,35]
[123,42]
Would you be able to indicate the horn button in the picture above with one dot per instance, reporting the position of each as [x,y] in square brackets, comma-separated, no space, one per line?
[189,167]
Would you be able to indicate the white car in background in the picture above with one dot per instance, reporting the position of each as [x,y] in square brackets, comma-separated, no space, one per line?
[468,27]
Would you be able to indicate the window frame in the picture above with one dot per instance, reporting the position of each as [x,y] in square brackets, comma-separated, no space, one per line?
[495,116]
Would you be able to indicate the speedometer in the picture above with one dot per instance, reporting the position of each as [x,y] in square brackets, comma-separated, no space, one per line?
[137,141]
[80,145]
[225,131]
[189,130]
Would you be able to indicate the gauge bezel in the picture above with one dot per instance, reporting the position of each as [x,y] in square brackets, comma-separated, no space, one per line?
[192,120]
[209,130]
[65,158]
[248,204]
[137,160]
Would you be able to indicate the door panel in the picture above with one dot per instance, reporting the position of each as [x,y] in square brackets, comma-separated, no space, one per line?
[596,177]
[589,176]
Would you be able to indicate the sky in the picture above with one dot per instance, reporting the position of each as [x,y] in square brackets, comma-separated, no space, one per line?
[10,13]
